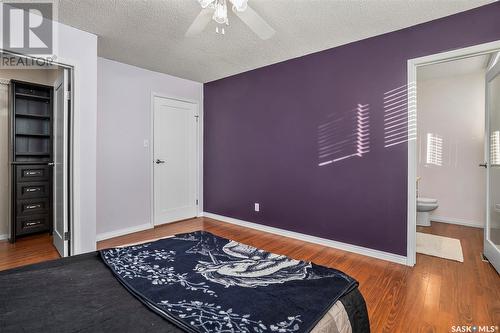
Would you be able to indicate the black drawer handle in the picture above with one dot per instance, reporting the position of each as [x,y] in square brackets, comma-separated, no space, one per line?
[33,206]
[33,173]
[33,189]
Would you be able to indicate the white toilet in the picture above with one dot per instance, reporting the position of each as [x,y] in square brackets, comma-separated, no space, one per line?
[424,207]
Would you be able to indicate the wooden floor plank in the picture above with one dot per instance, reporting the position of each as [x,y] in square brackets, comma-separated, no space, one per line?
[27,250]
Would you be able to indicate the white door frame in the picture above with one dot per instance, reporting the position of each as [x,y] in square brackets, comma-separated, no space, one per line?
[489,247]
[75,140]
[413,64]
[62,83]
[199,149]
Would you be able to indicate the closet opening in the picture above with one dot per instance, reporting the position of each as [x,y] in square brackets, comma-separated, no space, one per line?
[36,130]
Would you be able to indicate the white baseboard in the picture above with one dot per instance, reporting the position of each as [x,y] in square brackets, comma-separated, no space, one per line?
[121,232]
[313,239]
[452,220]
[4,236]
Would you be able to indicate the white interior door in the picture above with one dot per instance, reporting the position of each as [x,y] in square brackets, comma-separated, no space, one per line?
[492,230]
[60,175]
[175,160]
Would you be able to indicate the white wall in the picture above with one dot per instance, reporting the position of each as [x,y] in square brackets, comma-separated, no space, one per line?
[80,48]
[123,124]
[453,108]
[42,76]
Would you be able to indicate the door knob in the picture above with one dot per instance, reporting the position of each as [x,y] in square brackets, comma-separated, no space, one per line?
[484,165]
[158,161]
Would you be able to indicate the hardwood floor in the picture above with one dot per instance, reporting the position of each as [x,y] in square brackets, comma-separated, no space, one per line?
[26,251]
[430,297]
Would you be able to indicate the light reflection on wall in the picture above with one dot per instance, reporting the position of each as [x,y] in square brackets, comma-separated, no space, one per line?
[495,148]
[400,115]
[434,149]
[344,135]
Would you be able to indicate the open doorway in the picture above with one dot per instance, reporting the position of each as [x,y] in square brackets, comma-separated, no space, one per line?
[35,170]
[450,164]
[451,184]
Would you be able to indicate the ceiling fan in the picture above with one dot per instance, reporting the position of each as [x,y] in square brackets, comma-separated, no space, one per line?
[217,10]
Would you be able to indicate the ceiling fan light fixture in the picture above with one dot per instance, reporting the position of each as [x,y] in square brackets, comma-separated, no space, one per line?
[240,5]
[216,10]
[220,13]
[221,31]
[205,3]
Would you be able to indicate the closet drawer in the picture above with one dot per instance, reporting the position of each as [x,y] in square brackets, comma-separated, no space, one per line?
[33,190]
[33,206]
[33,223]
[32,173]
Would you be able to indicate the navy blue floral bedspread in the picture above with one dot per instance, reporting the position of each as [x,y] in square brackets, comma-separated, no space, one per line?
[205,283]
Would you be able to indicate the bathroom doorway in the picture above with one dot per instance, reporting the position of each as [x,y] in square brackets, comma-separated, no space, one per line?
[449,155]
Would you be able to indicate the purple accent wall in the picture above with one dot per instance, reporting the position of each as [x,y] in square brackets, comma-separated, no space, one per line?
[267,131]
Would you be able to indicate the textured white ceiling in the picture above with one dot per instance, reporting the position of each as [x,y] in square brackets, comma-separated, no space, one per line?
[150,33]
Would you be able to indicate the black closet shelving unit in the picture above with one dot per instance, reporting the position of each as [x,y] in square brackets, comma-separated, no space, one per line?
[31,144]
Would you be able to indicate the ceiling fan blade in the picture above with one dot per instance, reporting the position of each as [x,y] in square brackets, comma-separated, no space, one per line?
[200,22]
[256,23]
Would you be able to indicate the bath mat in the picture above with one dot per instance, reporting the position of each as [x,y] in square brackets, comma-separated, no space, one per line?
[439,246]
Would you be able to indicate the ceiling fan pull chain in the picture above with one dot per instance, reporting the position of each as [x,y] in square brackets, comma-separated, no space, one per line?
[221,31]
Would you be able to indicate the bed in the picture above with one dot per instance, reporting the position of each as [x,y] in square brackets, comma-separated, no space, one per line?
[86,293]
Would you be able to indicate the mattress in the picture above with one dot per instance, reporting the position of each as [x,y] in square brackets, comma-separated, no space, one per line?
[81,294]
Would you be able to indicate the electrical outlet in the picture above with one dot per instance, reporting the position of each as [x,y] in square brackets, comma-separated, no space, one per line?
[146,143]
[257,207]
